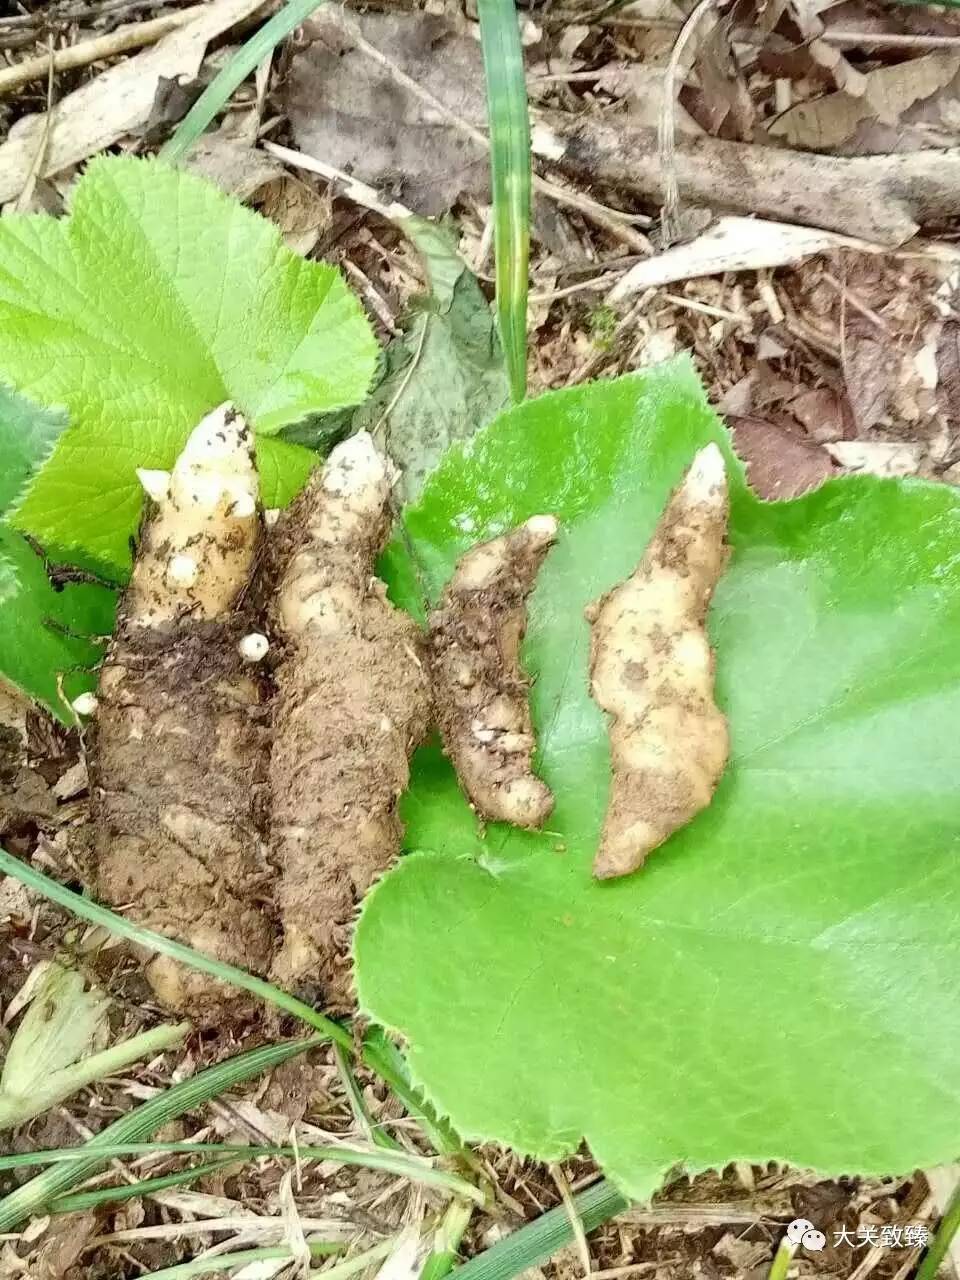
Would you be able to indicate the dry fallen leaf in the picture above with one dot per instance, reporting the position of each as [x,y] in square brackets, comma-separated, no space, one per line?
[301,213]
[116,103]
[65,1241]
[227,156]
[821,412]
[869,368]
[825,123]
[640,85]
[878,458]
[348,109]
[780,463]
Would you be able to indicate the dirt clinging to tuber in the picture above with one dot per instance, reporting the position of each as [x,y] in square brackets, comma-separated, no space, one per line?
[352,704]
[652,669]
[480,689]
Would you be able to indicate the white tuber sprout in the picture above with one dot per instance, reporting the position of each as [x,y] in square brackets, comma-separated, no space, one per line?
[198,547]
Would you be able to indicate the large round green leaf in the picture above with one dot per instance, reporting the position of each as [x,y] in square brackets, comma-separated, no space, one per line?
[780,980]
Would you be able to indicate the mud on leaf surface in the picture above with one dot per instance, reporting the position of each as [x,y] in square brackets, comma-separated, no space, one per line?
[786,959]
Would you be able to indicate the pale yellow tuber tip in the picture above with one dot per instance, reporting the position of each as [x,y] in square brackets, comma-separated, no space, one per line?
[357,480]
[348,520]
[156,484]
[198,547]
[706,481]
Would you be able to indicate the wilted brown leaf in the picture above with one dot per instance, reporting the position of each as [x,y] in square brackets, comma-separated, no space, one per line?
[727,108]
[228,157]
[869,367]
[346,107]
[878,458]
[62,1246]
[174,97]
[875,122]
[821,413]
[780,463]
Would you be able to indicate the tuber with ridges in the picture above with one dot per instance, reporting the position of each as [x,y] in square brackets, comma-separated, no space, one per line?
[480,689]
[178,748]
[352,704]
[652,668]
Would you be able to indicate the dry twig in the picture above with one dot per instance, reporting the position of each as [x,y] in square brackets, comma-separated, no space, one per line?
[133,36]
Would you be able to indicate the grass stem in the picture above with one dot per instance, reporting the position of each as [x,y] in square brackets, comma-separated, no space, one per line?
[210,1265]
[223,86]
[781,1260]
[510,177]
[941,1242]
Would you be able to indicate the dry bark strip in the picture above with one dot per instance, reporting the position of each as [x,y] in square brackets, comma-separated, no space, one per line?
[881,198]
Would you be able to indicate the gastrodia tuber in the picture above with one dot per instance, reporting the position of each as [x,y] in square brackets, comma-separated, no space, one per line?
[651,669]
[480,690]
[352,704]
[179,752]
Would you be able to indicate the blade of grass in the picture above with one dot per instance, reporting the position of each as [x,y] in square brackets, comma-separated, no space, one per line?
[115,924]
[272,1253]
[539,1239]
[373,1133]
[141,1123]
[382,1056]
[781,1260]
[941,1242]
[413,1168]
[132,1190]
[510,174]
[446,1241]
[222,87]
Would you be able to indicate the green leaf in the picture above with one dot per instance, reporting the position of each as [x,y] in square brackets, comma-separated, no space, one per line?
[42,630]
[787,959]
[49,638]
[444,378]
[27,435]
[157,299]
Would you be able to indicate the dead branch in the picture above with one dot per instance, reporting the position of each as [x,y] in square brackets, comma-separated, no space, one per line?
[885,199]
[82,54]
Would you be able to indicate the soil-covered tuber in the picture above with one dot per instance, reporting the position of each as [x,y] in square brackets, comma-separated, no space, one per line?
[352,704]
[480,690]
[178,748]
[652,668]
